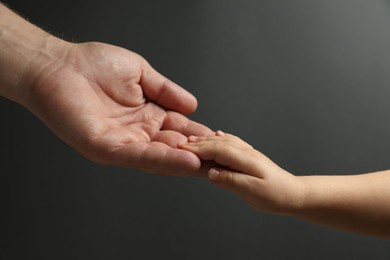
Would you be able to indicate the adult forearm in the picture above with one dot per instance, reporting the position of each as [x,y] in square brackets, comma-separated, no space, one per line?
[357,203]
[25,50]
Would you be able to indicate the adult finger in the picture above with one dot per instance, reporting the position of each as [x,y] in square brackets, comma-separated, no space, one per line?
[171,138]
[166,93]
[156,157]
[179,123]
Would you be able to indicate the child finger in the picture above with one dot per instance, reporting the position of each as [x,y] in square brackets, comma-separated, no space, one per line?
[219,136]
[230,155]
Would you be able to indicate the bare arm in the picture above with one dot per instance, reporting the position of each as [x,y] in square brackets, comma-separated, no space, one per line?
[356,203]
[106,102]
[24,50]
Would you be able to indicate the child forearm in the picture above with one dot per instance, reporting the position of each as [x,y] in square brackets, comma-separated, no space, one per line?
[357,203]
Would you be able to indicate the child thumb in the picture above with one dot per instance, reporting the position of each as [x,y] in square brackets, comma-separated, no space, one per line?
[238,183]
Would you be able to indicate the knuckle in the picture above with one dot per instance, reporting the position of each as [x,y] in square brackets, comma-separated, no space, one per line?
[229,178]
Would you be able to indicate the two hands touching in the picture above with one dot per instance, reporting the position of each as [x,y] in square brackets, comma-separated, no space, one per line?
[113,108]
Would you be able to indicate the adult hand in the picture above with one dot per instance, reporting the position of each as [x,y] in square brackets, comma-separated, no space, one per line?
[106,102]
[110,105]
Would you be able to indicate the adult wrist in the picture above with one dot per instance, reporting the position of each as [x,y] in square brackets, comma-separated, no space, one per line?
[49,55]
[25,51]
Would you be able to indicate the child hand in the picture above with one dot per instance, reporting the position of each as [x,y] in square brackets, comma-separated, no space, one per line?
[248,173]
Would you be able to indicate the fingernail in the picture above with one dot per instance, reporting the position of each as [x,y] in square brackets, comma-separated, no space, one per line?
[192,138]
[213,174]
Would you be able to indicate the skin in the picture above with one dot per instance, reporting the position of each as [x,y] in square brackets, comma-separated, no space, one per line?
[112,107]
[356,203]
[106,102]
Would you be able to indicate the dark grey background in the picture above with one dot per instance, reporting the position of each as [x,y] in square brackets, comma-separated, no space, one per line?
[305,82]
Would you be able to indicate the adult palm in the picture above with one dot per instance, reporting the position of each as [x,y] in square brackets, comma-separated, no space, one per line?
[110,105]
